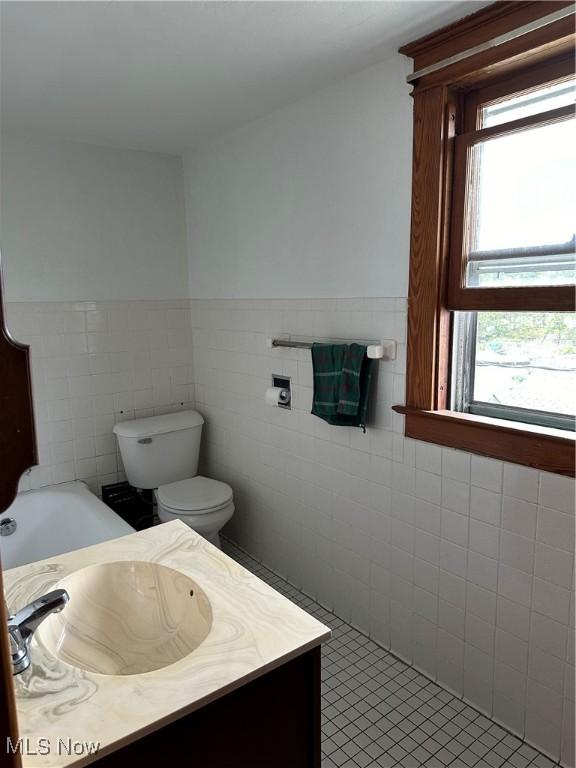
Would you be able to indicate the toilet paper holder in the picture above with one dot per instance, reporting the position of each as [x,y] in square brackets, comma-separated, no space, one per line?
[285,384]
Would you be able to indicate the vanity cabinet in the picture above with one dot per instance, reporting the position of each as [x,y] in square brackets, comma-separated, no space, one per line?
[271,722]
[201,663]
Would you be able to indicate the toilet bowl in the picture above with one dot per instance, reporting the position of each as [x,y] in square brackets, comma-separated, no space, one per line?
[204,504]
[161,453]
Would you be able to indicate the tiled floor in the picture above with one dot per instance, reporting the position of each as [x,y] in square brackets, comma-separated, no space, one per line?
[377,711]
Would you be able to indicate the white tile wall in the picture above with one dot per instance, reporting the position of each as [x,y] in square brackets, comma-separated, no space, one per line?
[462,565]
[94,363]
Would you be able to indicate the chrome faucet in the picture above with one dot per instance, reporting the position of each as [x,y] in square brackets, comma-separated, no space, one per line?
[23,624]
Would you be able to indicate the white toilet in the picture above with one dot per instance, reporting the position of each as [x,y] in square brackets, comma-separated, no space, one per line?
[161,452]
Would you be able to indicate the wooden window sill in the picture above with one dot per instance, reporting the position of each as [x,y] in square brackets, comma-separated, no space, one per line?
[551,450]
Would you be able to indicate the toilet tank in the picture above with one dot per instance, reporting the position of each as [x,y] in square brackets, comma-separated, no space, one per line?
[160,449]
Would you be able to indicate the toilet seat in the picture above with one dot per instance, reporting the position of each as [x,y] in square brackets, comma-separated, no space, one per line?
[205,505]
[194,496]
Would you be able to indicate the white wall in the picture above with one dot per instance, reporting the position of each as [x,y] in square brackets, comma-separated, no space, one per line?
[310,201]
[95,272]
[461,565]
[81,222]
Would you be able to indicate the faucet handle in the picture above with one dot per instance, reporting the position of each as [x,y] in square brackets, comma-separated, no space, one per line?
[24,623]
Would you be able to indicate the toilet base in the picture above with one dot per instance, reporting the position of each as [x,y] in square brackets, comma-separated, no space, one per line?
[207,524]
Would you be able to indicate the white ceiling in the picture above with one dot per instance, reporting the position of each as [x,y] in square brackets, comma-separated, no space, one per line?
[167,75]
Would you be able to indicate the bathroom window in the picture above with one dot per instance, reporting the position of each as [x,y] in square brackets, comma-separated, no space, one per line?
[491,363]
[513,251]
[513,222]
[519,366]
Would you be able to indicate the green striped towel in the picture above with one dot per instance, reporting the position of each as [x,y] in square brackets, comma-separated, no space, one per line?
[342,378]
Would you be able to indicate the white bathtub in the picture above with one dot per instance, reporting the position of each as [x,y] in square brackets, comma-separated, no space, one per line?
[57,519]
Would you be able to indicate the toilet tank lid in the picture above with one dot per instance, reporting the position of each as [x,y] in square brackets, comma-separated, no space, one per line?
[158,425]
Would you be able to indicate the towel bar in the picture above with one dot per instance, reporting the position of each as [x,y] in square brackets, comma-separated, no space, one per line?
[376,350]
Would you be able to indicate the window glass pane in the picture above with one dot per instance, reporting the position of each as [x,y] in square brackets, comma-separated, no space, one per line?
[526,360]
[552,96]
[521,196]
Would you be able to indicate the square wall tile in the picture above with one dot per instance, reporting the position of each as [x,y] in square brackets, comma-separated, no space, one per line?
[451,619]
[429,457]
[455,527]
[555,565]
[482,571]
[510,682]
[517,552]
[486,473]
[543,701]
[485,505]
[511,650]
[513,618]
[484,539]
[427,516]
[557,492]
[480,634]
[453,558]
[510,713]
[456,464]
[456,496]
[519,517]
[427,547]
[548,635]
[551,600]
[515,585]
[428,486]
[546,669]
[426,575]
[555,528]
[452,589]
[481,603]
[520,482]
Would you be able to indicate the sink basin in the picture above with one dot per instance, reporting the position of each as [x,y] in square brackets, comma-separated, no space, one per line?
[126,618]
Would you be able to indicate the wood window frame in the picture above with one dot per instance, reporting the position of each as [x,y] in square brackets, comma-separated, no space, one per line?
[435,290]
[460,297]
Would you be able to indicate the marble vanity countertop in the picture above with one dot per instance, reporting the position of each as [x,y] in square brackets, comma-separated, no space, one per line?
[254,630]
